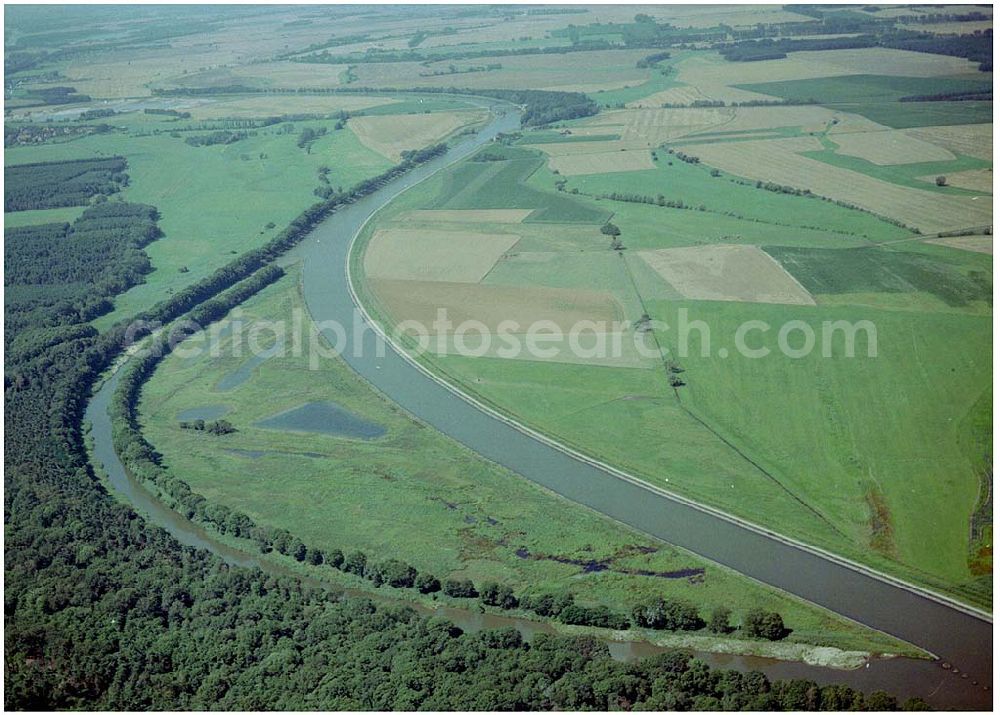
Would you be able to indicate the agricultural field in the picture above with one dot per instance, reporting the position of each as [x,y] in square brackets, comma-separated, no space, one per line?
[606,71]
[390,135]
[709,238]
[411,492]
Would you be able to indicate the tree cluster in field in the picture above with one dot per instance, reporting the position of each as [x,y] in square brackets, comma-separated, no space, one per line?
[105,611]
[216,427]
[57,95]
[92,114]
[686,158]
[652,60]
[308,135]
[54,184]
[220,137]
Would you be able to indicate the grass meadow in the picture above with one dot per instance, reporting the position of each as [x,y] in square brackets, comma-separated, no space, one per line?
[796,445]
[416,495]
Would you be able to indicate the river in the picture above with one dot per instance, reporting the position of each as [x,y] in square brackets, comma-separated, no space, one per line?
[958,638]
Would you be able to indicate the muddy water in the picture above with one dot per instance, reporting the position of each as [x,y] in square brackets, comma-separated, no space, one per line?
[963,640]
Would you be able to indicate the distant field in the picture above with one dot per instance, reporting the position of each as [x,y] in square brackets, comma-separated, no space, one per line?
[873,270]
[470,215]
[391,135]
[501,185]
[735,273]
[890,147]
[971,139]
[604,71]
[268,75]
[214,200]
[429,255]
[491,304]
[877,96]
[602,163]
[977,244]
[278,104]
[781,161]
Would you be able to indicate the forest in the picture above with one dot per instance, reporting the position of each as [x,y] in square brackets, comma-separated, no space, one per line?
[60,274]
[51,184]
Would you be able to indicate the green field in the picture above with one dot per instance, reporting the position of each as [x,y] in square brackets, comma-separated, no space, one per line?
[66,214]
[795,445]
[904,174]
[732,207]
[215,201]
[877,98]
[415,494]
[503,185]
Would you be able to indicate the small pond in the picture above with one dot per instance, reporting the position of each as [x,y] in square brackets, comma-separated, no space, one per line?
[323,418]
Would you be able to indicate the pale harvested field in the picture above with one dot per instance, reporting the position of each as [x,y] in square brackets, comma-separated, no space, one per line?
[651,127]
[674,95]
[977,244]
[493,304]
[554,149]
[274,105]
[776,160]
[605,349]
[602,163]
[711,73]
[970,139]
[610,69]
[391,135]
[729,273]
[268,75]
[974,179]
[434,255]
[733,15]
[890,147]
[466,215]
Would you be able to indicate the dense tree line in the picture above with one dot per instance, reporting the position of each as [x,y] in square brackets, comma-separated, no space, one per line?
[652,60]
[53,184]
[976,47]
[981,95]
[103,610]
[770,49]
